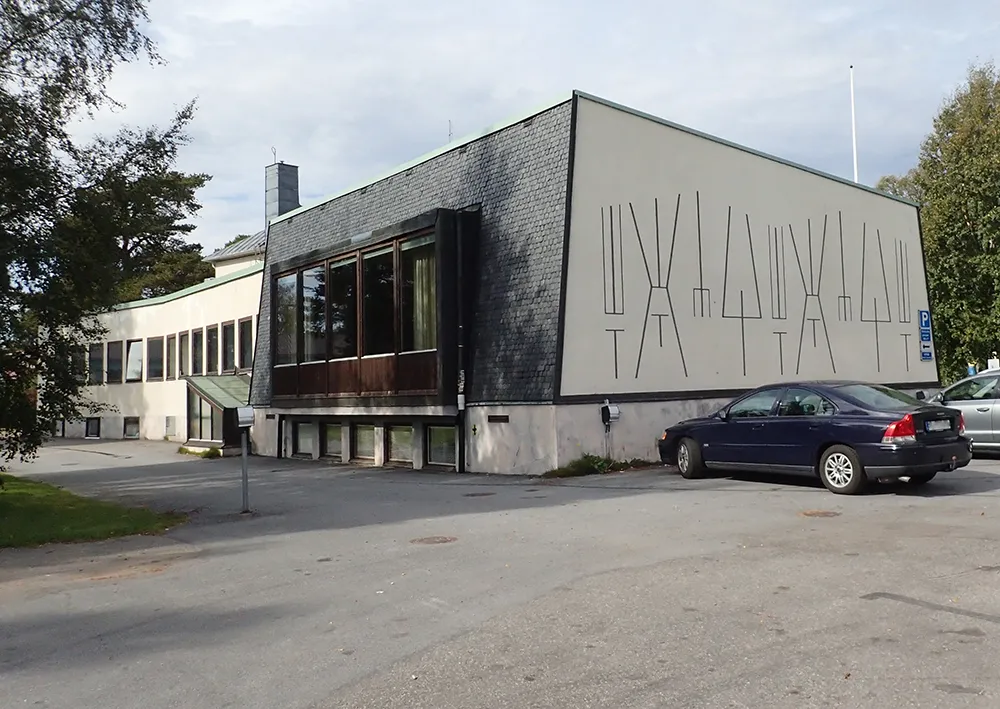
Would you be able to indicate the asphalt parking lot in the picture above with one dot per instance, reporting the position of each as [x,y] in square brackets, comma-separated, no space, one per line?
[364,588]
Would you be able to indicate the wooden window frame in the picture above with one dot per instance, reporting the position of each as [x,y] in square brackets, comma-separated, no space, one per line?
[170,367]
[183,359]
[163,358]
[142,375]
[222,347]
[215,369]
[239,344]
[202,359]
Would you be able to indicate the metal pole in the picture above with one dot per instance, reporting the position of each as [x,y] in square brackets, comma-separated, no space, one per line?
[246,477]
[854,127]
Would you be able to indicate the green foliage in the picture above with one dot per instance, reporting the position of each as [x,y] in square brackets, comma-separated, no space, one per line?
[81,224]
[237,239]
[590,464]
[212,452]
[34,513]
[957,181]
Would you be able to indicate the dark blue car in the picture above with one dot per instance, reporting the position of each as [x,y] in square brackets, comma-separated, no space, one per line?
[846,432]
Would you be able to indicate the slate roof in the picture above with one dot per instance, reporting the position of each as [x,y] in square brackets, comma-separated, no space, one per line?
[251,246]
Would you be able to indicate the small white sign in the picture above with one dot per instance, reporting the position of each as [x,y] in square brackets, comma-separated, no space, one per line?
[245,416]
[993,363]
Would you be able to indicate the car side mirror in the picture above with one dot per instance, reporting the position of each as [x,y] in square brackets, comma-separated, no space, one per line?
[722,414]
[921,395]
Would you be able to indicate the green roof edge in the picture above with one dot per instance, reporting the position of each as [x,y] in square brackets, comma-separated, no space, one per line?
[447,148]
[744,148]
[190,290]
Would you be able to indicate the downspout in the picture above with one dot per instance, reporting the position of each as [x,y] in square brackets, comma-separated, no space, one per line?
[460,317]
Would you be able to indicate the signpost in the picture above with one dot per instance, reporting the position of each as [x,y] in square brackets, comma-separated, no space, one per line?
[244,415]
[926,349]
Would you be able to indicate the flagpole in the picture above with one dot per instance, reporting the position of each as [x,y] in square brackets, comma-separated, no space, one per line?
[854,127]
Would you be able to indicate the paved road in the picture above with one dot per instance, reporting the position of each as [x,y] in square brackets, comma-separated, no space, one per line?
[640,590]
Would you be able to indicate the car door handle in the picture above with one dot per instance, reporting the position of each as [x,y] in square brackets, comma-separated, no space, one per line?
[984,409]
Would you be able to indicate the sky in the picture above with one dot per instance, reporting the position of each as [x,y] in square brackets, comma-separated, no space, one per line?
[347,89]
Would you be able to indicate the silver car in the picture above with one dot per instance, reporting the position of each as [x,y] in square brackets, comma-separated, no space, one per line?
[978,398]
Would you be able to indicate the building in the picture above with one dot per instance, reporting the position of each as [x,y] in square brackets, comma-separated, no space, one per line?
[448,313]
[176,367]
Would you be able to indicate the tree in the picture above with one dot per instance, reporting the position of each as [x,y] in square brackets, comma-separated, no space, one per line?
[66,208]
[237,239]
[957,182]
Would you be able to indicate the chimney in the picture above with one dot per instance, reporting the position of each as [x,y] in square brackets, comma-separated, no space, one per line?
[281,190]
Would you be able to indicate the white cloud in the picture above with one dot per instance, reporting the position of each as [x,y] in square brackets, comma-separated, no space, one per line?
[346,88]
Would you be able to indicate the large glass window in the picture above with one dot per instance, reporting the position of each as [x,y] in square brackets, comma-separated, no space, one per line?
[197,352]
[332,440]
[95,364]
[400,442]
[154,354]
[802,402]
[303,437]
[342,294]
[212,349]
[184,361]
[133,361]
[754,406]
[228,347]
[313,316]
[363,442]
[284,319]
[115,362]
[246,343]
[171,356]
[378,304]
[204,420]
[418,295]
[441,442]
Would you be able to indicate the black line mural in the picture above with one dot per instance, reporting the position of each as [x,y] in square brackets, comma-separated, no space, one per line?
[812,307]
[701,297]
[659,304]
[777,272]
[904,309]
[613,267]
[906,348]
[781,350]
[873,314]
[845,308]
[744,315]
[615,331]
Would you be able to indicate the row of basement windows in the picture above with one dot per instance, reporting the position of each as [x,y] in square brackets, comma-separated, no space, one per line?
[375,302]
[439,445]
[203,351]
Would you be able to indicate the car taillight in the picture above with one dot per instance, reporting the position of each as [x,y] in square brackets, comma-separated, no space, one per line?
[664,436]
[902,431]
[961,424]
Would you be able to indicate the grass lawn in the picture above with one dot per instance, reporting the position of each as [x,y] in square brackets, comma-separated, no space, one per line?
[33,513]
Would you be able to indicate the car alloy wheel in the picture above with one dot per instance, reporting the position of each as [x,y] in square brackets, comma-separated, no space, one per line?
[839,470]
[683,459]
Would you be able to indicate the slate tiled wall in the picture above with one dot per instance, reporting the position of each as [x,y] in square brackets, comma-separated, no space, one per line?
[519,175]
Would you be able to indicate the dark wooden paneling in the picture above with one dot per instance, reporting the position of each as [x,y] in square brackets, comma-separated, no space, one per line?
[416,372]
[377,375]
[343,377]
[284,381]
[312,378]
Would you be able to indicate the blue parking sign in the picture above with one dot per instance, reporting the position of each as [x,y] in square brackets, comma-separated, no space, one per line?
[924,316]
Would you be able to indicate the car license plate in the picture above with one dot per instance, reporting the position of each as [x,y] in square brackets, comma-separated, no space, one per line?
[942,425]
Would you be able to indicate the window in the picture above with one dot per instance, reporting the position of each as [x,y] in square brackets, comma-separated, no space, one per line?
[441,445]
[802,402]
[342,294]
[93,427]
[204,420]
[755,405]
[154,363]
[284,319]
[418,295]
[133,361]
[400,444]
[212,347]
[973,390]
[197,352]
[303,438]
[229,347]
[184,360]
[378,303]
[879,397]
[363,443]
[246,343]
[95,364]
[313,314]
[332,440]
[131,428]
[171,356]
[115,362]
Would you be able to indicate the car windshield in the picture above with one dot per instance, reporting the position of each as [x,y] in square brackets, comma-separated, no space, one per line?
[875,396]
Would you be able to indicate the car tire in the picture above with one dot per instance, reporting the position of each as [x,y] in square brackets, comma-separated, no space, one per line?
[689,461]
[921,479]
[841,471]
